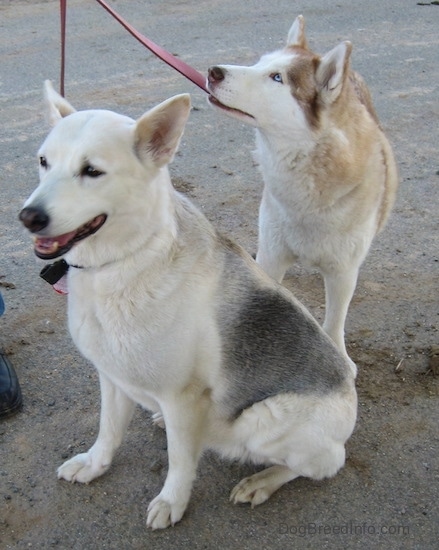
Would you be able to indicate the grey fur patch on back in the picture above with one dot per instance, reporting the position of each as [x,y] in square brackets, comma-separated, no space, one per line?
[271,346]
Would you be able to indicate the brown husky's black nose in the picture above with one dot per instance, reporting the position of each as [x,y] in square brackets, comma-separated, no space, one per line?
[215,74]
[34,219]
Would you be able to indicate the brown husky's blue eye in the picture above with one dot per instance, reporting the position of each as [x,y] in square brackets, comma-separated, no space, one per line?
[277,77]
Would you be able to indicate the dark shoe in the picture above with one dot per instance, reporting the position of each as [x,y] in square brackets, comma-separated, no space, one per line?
[10,393]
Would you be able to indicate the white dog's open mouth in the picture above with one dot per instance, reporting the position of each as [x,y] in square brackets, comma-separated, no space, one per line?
[230,110]
[48,248]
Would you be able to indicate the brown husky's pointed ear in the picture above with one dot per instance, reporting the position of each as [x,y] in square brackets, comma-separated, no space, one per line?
[57,106]
[158,132]
[332,71]
[296,35]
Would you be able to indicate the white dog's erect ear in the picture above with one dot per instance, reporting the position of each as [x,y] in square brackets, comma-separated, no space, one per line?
[158,132]
[296,35]
[332,70]
[58,107]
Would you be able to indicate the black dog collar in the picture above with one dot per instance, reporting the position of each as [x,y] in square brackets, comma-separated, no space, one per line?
[52,273]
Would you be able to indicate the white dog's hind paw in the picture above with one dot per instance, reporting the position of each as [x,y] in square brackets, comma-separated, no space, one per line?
[162,514]
[259,487]
[81,468]
[248,491]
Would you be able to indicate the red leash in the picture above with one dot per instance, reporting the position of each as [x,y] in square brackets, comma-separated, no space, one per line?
[183,68]
[63,11]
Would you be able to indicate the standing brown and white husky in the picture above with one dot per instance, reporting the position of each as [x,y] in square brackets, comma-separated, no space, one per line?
[329,172]
[177,318]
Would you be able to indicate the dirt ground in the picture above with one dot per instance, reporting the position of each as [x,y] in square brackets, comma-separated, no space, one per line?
[386,496]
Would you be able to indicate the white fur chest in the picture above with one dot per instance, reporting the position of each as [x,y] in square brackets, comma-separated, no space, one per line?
[315,222]
[136,334]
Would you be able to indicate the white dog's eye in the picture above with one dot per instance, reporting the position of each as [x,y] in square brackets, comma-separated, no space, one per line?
[277,77]
[43,162]
[90,171]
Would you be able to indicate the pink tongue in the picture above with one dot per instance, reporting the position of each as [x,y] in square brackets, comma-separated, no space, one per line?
[61,285]
[48,244]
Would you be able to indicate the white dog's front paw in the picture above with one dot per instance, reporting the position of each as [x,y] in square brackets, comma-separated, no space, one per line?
[82,468]
[162,514]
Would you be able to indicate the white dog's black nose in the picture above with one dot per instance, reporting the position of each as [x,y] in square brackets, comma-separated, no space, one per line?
[216,74]
[34,218]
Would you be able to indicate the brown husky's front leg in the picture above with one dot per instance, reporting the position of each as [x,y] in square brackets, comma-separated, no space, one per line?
[339,289]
